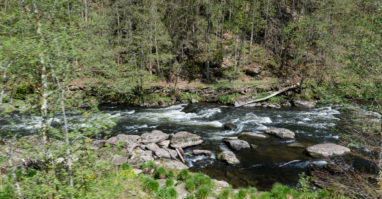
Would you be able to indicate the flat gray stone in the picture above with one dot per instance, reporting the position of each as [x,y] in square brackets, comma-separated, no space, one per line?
[237,144]
[281,133]
[185,139]
[171,164]
[304,103]
[229,157]
[327,150]
[154,137]
[254,135]
[202,152]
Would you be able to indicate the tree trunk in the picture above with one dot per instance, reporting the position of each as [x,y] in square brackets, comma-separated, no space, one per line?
[10,162]
[44,84]
[252,26]
[68,153]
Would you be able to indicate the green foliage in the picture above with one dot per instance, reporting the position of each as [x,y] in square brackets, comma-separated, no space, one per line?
[125,166]
[169,182]
[183,174]
[167,193]
[189,96]
[160,173]
[150,185]
[225,193]
[170,174]
[277,99]
[6,191]
[228,99]
[149,164]
[203,192]
[190,184]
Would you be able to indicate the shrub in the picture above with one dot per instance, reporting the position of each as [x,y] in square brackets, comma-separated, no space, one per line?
[167,193]
[203,192]
[201,179]
[183,174]
[160,173]
[170,174]
[190,184]
[224,194]
[125,166]
[169,182]
[150,184]
[241,194]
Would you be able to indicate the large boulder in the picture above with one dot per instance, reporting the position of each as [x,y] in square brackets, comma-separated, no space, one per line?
[304,103]
[229,157]
[140,156]
[236,144]
[154,137]
[161,153]
[255,134]
[327,150]
[123,138]
[281,133]
[185,139]
[171,164]
[118,160]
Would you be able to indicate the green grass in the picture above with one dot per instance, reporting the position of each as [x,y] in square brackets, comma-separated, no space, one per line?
[167,193]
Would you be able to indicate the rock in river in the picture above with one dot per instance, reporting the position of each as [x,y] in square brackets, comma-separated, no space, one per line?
[304,103]
[185,139]
[154,137]
[202,152]
[281,133]
[229,126]
[161,153]
[229,157]
[237,144]
[255,134]
[327,150]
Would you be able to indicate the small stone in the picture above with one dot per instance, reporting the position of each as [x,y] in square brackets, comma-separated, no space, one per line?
[327,150]
[296,145]
[281,133]
[304,103]
[255,134]
[229,157]
[202,152]
[237,144]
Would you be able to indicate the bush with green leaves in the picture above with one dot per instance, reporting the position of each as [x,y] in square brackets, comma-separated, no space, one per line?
[150,185]
[183,174]
[203,192]
[160,173]
[167,193]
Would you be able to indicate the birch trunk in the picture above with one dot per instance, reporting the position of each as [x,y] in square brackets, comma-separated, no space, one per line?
[252,27]
[44,84]
[10,162]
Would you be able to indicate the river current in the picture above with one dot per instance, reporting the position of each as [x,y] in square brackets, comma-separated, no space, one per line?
[268,161]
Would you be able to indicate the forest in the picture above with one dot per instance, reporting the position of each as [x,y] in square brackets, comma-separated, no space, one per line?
[69,59]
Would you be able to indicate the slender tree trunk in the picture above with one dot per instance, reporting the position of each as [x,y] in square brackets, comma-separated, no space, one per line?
[44,83]
[252,26]
[68,153]
[4,80]
[156,48]
[10,162]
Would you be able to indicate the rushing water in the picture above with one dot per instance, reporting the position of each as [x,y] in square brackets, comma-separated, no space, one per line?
[271,161]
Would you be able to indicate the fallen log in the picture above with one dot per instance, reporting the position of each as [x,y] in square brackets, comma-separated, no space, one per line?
[267,97]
